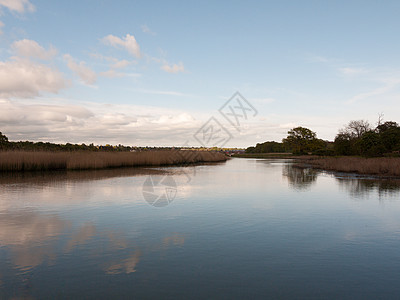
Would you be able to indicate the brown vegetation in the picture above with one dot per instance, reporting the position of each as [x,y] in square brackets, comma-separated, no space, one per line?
[43,161]
[372,166]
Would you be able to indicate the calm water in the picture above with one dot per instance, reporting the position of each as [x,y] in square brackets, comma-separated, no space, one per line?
[244,228]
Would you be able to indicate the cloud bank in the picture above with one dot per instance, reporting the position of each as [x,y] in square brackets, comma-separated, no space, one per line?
[97,123]
[23,78]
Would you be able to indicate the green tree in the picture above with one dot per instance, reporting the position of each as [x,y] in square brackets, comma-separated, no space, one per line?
[370,144]
[389,133]
[347,141]
[251,150]
[300,140]
[343,144]
[4,143]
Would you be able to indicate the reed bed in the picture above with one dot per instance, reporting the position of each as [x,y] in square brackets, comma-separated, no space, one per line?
[372,166]
[13,161]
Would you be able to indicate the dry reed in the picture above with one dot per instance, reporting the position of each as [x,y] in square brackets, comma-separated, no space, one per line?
[45,161]
[373,166]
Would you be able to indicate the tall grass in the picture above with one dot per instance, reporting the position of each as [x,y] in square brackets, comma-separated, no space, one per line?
[375,166]
[45,161]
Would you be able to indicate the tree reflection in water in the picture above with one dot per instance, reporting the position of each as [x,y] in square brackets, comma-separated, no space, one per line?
[364,187]
[358,186]
[299,178]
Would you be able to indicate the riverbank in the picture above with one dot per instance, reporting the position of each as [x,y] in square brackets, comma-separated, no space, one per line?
[265,155]
[19,161]
[379,166]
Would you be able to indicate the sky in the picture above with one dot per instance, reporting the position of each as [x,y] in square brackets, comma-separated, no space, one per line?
[163,73]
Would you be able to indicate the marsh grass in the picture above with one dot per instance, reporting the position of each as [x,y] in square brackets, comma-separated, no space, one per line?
[12,161]
[374,166]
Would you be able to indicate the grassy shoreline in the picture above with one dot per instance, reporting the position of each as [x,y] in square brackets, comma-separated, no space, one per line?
[377,166]
[265,155]
[20,161]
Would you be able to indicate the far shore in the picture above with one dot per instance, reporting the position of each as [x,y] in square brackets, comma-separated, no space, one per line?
[376,166]
[20,161]
[265,155]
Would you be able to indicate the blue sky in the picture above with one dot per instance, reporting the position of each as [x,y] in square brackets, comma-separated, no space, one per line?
[152,73]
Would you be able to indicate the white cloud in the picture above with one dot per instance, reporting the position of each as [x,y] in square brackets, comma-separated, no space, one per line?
[146,29]
[129,43]
[1,25]
[119,64]
[86,74]
[30,48]
[102,57]
[112,74]
[174,68]
[19,6]
[39,114]
[97,123]
[114,62]
[175,119]
[23,78]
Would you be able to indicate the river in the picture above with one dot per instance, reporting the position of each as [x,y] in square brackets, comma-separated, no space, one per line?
[246,228]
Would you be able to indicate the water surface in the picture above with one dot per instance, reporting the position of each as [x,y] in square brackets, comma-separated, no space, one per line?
[245,228]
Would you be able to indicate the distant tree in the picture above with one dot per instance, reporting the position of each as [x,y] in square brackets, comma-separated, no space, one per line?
[343,144]
[356,128]
[370,144]
[389,133]
[3,138]
[355,139]
[347,141]
[322,148]
[4,143]
[250,150]
[386,126]
[269,147]
[300,140]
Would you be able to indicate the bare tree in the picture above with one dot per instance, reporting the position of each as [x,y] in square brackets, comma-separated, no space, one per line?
[356,128]
[380,119]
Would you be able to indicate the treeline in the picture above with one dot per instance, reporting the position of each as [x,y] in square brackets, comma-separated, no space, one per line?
[299,141]
[6,145]
[267,147]
[356,138]
[359,138]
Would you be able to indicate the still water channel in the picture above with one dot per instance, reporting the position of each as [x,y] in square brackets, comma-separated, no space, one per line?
[247,228]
